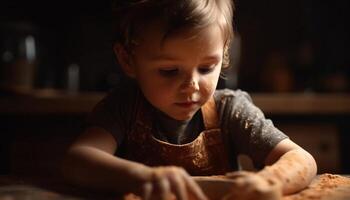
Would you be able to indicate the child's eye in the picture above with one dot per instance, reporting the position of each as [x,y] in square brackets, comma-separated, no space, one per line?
[168,72]
[206,69]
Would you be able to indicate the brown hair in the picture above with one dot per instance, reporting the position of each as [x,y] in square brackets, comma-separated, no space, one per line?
[133,15]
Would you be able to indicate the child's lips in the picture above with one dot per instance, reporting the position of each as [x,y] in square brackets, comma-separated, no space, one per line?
[186,104]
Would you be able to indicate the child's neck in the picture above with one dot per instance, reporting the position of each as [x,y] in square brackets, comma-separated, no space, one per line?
[176,131]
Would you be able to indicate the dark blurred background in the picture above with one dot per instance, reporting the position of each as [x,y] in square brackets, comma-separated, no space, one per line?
[302,44]
[292,56]
[67,33]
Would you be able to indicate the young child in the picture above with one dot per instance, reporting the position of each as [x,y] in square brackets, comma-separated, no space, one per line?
[166,123]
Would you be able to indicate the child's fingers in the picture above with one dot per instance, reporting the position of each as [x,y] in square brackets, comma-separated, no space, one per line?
[178,186]
[164,188]
[193,187]
[147,191]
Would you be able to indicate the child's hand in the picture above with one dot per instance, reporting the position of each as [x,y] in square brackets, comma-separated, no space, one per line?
[249,186]
[168,183]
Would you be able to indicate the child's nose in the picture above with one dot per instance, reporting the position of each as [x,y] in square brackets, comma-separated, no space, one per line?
[190,86]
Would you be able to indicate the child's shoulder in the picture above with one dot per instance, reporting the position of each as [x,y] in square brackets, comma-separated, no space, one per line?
[123,90]
[230,94]
[121,97]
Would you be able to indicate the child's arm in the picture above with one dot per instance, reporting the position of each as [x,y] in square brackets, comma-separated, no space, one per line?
[90,163]
[289,169]
[287,164]
[291,165]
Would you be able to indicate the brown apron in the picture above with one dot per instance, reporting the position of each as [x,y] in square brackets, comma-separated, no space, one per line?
[206,155]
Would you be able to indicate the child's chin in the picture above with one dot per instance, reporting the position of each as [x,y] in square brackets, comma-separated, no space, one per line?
[184,117]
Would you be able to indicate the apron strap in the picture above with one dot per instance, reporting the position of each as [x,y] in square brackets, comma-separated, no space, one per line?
[210,115]
[211,121]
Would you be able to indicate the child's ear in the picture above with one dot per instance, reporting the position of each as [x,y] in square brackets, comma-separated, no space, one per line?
[124,60]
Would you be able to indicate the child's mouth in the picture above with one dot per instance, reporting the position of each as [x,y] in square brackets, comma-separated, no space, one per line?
[186,104]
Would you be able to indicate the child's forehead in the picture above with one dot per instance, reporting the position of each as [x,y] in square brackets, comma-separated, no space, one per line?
[156,32]
[207,41]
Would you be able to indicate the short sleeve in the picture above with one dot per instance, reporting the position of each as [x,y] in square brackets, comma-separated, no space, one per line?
[115,113]
[249,131]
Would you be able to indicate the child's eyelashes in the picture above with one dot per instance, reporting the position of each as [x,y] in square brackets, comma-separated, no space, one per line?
[206,69]
[168,72]
[171,72]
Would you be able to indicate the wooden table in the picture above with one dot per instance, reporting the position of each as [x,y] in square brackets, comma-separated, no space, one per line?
[323,187]
[27,188]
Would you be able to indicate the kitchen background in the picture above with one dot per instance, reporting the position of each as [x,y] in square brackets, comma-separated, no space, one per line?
[294,51]
[303,44]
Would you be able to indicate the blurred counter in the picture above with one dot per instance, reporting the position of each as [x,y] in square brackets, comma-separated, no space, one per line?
[60,102]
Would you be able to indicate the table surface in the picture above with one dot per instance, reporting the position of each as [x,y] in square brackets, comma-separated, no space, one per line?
[323,187]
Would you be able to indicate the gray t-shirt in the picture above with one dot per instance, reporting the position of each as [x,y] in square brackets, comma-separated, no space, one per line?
[248,131]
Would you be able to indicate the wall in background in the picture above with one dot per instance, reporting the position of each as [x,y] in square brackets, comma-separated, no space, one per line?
[301,45]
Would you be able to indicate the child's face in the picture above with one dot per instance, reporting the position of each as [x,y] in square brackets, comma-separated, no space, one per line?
[179,75]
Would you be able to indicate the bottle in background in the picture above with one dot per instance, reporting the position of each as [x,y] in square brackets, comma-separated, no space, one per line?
[18,57]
